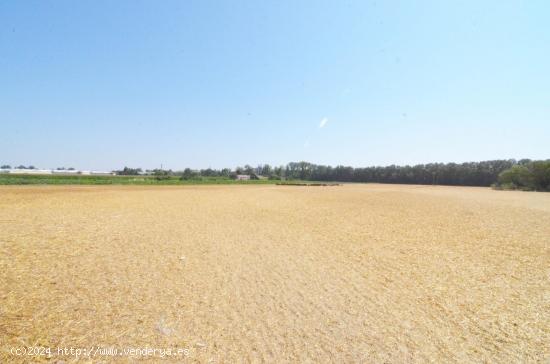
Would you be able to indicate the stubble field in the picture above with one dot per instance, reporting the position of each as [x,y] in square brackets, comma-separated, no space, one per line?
[353,273]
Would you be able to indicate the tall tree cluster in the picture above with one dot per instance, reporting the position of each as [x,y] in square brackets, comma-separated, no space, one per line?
[461,174]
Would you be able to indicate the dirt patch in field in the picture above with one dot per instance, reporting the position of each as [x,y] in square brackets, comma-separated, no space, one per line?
[355,273]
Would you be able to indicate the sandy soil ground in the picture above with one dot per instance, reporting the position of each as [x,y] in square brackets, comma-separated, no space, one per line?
[354,273]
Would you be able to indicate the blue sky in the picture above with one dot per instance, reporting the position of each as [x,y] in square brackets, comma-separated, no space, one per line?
[103,84]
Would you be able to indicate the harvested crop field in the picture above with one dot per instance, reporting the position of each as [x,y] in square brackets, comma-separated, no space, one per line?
[353,273]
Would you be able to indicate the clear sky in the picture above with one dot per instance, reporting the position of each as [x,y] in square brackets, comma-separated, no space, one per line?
[103,84]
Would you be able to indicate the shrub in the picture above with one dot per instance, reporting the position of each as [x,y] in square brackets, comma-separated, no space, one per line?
[530,176]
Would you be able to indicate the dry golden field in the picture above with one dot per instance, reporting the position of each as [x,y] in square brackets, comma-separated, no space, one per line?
[354,273]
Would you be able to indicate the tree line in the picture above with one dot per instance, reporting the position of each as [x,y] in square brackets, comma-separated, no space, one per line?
[503,173]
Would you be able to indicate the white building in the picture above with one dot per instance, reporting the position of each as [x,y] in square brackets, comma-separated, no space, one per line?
[64,171]
[55,171]
[102,173]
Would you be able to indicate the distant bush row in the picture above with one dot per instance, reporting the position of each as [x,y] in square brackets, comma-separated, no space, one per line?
[532,176]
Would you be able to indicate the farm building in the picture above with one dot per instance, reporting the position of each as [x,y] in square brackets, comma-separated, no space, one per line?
[102,173]
[64,171]
[29,171]
[55,171]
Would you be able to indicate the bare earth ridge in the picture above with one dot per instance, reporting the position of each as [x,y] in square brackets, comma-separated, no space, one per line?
[353,273]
